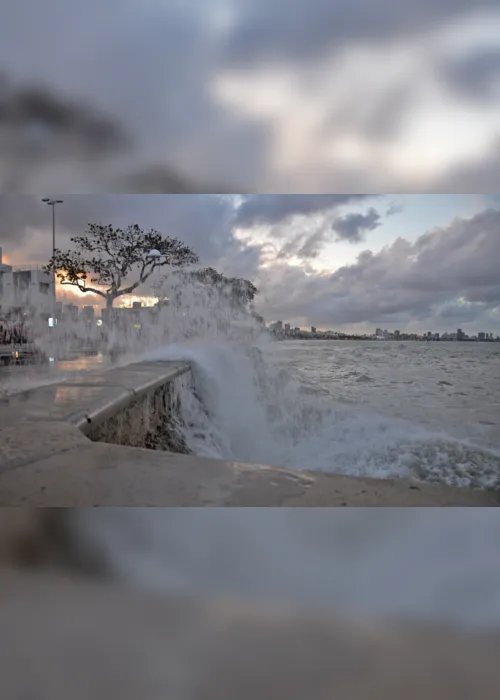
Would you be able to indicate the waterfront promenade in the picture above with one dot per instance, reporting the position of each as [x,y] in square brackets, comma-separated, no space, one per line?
[60,445]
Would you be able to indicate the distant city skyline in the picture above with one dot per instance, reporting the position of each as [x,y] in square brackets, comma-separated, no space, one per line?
[384,333]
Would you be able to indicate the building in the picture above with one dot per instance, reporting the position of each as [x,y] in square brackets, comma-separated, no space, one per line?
[71,312]
[287,328]
[88,314]
[397,335]
[277,327]
[460,334]
[26,288]
[314,330]
[3,266]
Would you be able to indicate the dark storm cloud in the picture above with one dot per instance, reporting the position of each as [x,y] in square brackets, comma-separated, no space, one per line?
[277,208]
[39,127]
[446,269]
[45,116]
[304,244]
[202,221]
[394,208]
[303,239]
[353,227]
[148,66]
[158,180]
[476,74]
[295,30]
[21,213]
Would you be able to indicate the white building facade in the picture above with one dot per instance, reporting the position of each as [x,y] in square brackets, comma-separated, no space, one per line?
[27,289]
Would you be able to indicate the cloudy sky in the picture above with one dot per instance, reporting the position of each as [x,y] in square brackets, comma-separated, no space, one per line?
[250,95]
[341,261]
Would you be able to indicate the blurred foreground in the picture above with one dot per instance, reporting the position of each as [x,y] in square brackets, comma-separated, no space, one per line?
[64,632]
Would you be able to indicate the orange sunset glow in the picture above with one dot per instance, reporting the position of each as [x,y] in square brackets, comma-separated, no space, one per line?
[70,294]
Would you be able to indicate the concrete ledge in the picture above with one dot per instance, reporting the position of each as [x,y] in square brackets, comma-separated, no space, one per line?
[91,398]
[87,474]
[62,637]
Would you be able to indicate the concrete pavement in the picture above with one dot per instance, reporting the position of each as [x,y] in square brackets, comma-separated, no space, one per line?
[54,464]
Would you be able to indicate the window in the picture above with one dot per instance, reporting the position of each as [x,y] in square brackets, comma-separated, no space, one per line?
[44,288]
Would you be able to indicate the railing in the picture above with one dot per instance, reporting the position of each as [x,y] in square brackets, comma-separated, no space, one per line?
[27,268]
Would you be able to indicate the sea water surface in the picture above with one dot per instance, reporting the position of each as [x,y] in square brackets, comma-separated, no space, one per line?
[429,411]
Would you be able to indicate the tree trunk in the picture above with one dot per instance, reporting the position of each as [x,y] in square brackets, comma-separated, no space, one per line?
[109,310]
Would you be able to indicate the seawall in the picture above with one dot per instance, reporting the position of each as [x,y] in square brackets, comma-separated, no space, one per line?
[90,441]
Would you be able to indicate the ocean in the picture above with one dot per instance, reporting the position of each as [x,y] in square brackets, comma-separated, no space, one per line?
[429,411]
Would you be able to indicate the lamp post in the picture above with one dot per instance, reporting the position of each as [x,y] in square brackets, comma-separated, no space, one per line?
[53,203]
[155,256]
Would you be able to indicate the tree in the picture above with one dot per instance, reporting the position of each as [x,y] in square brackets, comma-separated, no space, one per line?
[241,291]
[107,256]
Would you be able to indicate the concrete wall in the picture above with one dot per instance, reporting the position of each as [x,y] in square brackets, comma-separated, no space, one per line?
[147,421]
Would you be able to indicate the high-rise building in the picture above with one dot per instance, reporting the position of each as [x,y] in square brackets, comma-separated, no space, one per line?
[277,327]
[313,330]
[287,327]
[482,336]
[379,332]
[397,334]
[460,334]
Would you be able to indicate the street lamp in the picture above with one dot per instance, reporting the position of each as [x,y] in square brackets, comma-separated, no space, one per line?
[53,203]
[156,255]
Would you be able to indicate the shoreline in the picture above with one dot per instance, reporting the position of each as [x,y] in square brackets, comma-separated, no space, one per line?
[82,442]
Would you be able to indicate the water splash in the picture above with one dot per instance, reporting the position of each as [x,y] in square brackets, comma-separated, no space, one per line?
[246,404]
